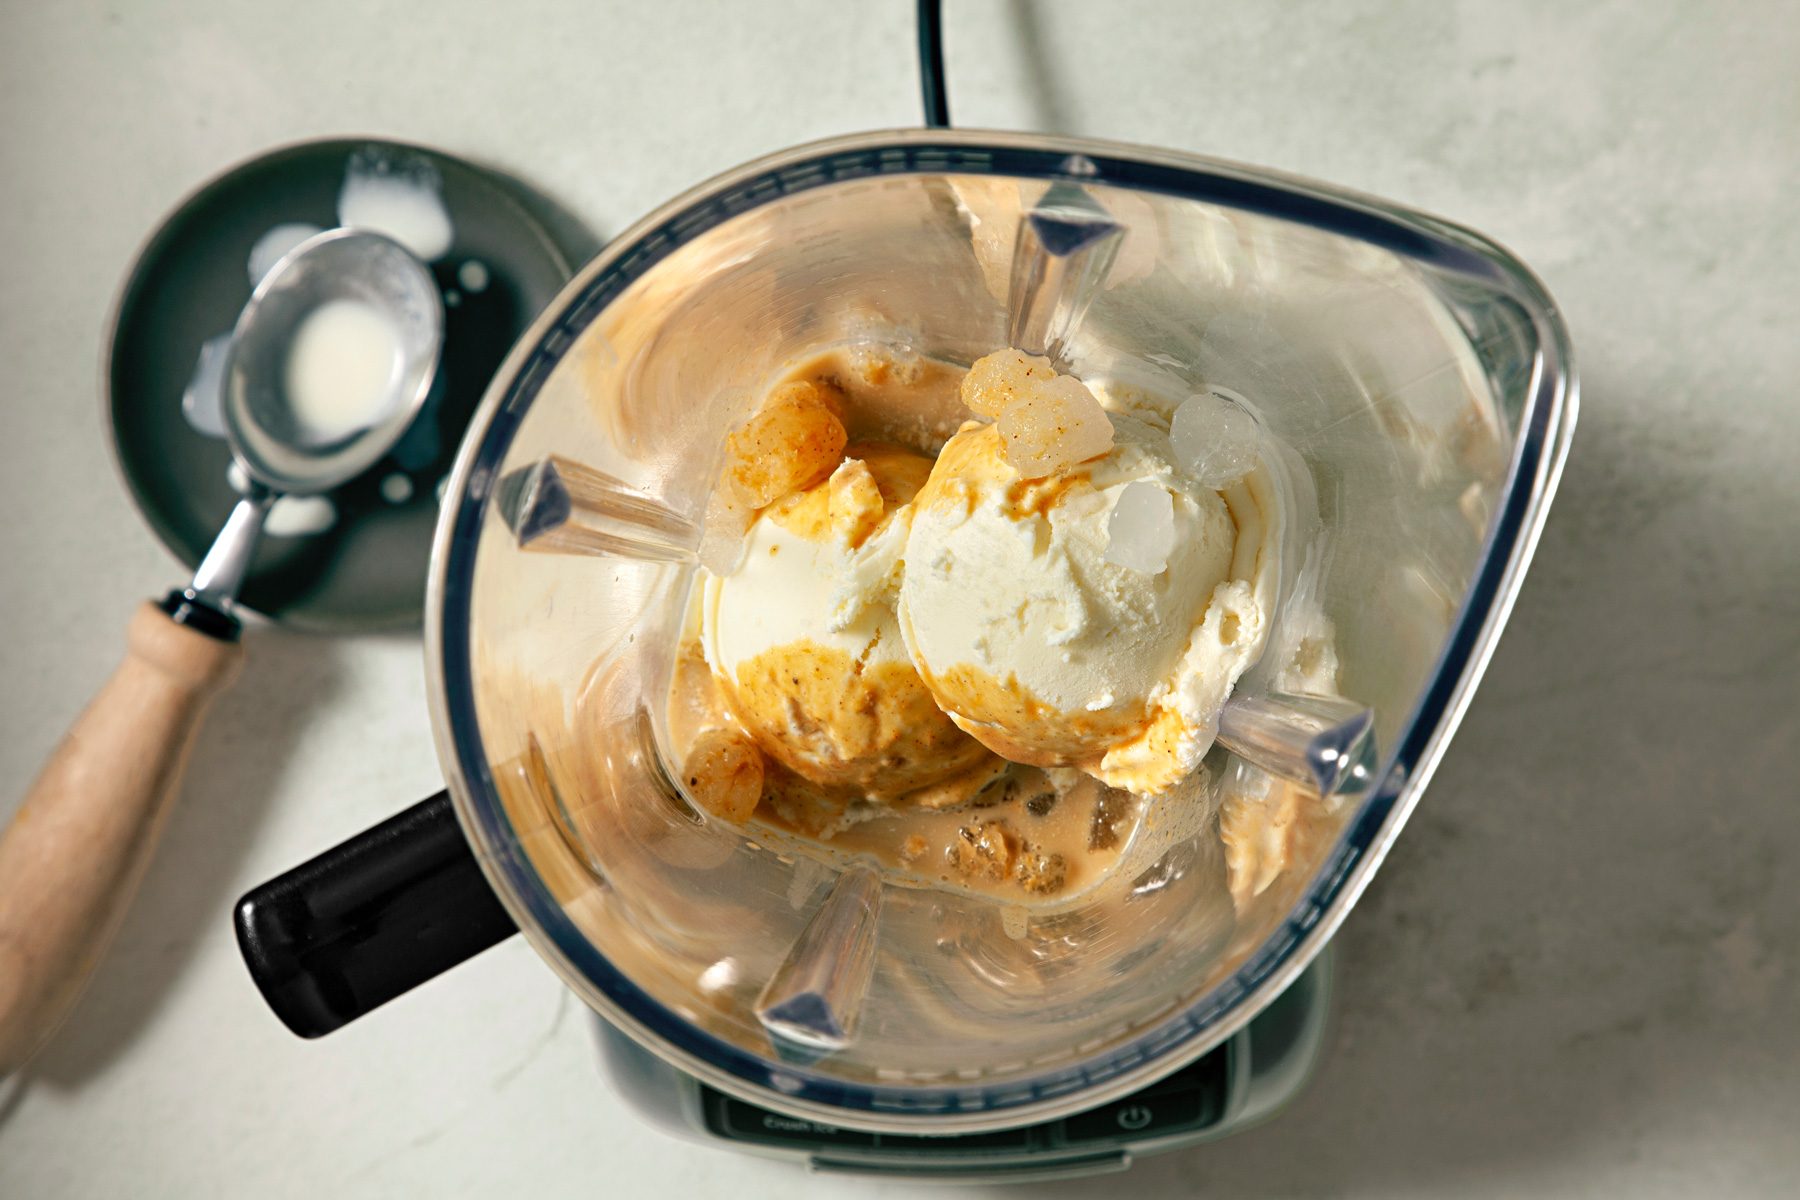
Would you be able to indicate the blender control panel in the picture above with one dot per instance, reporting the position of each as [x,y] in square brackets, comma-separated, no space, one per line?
[1188,1102]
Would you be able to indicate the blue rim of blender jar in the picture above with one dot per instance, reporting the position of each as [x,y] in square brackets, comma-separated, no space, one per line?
[1171,1041]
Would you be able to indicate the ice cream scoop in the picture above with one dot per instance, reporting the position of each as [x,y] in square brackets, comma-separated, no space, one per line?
[1043,648]
[74,854]
[803,639]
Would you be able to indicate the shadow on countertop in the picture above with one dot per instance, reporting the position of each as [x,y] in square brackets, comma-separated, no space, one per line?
[1048,93]
[572,235]
[1583,950]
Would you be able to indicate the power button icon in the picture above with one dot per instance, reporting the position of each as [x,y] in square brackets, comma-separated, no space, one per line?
[1134,1117]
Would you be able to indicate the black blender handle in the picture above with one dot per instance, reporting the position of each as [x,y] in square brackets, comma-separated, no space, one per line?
[368,920]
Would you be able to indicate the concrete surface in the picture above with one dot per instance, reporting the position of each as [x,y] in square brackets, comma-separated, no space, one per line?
[1576,975]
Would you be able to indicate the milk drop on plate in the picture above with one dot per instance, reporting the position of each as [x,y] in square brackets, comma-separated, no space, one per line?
[274,245]
[203,401]
[300,516]
[400,196]
[396,488]
[343,369]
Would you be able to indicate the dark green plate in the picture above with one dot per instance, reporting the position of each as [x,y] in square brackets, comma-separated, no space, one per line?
[368,570]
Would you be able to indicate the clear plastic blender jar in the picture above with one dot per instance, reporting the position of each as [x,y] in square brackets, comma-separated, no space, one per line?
[1416,379]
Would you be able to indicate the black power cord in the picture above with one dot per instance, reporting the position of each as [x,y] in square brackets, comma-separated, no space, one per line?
[931,64]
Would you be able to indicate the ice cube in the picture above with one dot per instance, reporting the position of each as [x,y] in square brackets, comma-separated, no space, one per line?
[1112,812]
[1053,428]
[1214,439]
[794,441]
[878,364]
[854,501]
[997,381]
[1040,872]
[984,850]
[722,536]
[721,549]
[724,773]
[1141,531]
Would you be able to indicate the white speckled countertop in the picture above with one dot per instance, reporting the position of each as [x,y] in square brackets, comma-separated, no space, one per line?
[1578,973]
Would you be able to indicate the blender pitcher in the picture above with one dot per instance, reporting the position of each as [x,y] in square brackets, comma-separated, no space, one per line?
[1415,385]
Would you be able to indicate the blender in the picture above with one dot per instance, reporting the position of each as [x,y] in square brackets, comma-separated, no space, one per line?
[1418,384]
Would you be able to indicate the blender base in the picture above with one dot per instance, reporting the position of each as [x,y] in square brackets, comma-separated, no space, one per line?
[1236,1085]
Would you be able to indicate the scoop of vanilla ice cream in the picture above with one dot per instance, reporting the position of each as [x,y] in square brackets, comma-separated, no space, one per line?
[804,641]
[1049,654]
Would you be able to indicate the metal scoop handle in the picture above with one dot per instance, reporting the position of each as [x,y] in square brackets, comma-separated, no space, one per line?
[220,575]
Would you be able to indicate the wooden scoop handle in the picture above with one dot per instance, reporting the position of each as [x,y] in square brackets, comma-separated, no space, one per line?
[78,846]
